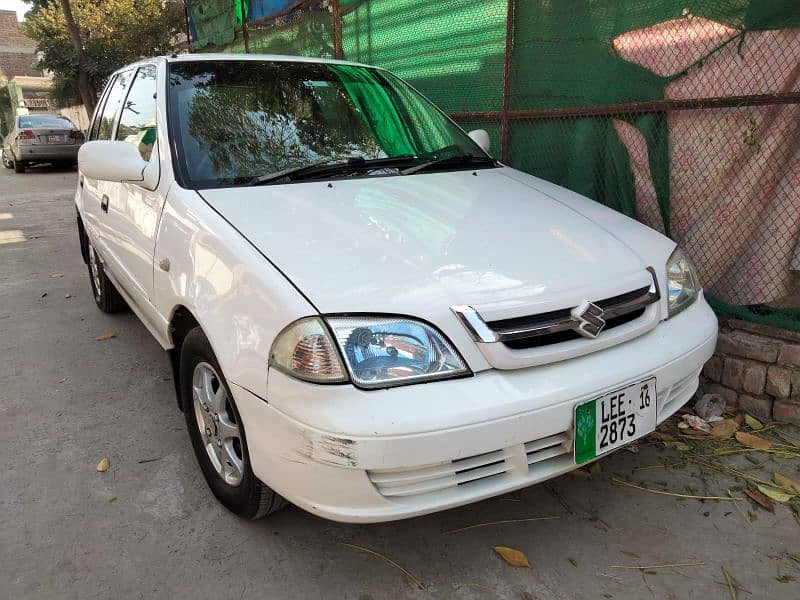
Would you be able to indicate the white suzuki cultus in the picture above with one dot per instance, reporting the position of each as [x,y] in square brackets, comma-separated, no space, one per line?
[366,314]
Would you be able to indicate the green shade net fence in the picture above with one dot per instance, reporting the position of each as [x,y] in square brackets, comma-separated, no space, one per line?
[717,180]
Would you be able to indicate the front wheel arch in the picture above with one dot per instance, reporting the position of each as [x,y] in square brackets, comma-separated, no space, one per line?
[84,241]
[181,323]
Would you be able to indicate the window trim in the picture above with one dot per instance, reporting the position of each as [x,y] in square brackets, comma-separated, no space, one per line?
[98,110]
[116,117]
[125,100]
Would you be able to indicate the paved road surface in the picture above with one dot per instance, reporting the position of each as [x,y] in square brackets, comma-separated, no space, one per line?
[150,528]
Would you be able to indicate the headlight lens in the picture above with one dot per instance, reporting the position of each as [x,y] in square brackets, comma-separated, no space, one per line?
[305,350]
[387,351]
[682,283]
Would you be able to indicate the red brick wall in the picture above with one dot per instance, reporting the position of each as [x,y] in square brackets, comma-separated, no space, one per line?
[757,368]
[13,61]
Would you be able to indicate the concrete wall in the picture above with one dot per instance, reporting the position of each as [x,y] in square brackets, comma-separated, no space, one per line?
[76,114]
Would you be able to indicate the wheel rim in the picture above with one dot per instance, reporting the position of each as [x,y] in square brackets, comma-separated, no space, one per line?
[94,269]
[217,424]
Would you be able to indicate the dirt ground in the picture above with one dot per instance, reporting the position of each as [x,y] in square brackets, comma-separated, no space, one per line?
[149,527]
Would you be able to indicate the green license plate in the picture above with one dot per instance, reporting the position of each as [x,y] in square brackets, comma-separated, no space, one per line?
[614,419]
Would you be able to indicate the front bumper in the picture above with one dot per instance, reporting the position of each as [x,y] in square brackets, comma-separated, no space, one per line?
[356,456]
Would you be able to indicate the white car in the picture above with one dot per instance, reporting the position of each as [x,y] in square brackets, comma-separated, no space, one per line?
[366,314]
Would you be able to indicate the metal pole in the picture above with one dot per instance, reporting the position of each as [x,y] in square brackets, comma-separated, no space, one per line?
[188,27]
[504,132]
[245,35]
[337,30]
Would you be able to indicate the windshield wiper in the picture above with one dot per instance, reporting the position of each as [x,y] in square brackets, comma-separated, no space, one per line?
[459,159]
[330,165]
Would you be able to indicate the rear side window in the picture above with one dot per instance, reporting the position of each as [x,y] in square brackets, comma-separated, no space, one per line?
[105,121]
[137,123]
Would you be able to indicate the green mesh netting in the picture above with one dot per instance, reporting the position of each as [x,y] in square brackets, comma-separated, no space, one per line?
[214,21]
[562,57]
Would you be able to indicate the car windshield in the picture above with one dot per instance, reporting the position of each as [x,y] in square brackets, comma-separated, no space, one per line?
[48,121]
[234,121]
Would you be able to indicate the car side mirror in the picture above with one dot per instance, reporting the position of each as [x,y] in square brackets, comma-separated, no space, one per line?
[111,161]
[480,137]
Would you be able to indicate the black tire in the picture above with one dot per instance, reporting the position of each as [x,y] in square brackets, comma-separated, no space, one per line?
[19,166]
[106,296]
[248,498]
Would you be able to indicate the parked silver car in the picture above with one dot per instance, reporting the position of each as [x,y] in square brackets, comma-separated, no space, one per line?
[39,139]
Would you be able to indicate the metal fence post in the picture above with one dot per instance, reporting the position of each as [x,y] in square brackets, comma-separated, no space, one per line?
[504,132]
[245,35]
[337,30]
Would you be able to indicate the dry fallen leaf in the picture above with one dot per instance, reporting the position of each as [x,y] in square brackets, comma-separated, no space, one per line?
[515,558]
[681,446]
[103,465]
[105,336]
[761,500]
[774,493]
[56,276]
[753,423]
[787,483]
[752,441]
[722,430]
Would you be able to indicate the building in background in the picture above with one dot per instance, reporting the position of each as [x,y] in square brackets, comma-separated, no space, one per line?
[23,88]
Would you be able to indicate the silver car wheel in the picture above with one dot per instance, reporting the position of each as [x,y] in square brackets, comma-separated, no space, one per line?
[216,421]
[94,267]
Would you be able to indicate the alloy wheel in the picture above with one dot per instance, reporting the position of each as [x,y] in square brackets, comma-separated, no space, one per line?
[217,423]
[94,268]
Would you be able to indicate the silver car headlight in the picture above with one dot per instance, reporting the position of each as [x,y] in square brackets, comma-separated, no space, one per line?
[682,283]
[382,352]
[376,352]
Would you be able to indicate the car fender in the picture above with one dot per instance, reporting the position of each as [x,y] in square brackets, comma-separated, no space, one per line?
[236,295]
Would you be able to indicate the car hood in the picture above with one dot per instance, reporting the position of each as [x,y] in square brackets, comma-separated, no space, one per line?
[419,244]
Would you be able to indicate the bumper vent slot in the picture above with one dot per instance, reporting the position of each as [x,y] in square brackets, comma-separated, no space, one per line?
[547,448]
[422,480]
[463,472]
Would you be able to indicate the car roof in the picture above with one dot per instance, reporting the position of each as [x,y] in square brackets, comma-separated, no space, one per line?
[227,56]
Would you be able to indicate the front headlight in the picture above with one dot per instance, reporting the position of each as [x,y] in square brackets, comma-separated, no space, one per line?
[682,284]
[386,351]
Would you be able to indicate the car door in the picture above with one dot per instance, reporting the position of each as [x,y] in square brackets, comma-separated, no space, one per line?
[95,193]
[134,208]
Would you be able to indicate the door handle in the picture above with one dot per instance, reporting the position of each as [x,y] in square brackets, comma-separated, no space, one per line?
[104,203]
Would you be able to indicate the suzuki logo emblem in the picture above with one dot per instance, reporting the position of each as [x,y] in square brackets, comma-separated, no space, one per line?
[589,319]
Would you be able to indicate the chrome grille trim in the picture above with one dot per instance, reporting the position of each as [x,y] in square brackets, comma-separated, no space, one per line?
[555,321]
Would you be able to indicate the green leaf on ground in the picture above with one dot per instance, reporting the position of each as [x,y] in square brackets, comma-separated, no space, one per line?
[753,423]
[774,493]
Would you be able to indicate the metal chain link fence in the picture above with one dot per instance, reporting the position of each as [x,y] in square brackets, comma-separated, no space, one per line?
[683,114]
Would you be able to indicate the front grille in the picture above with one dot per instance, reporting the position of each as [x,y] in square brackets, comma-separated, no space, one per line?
[398,483]
[558,326]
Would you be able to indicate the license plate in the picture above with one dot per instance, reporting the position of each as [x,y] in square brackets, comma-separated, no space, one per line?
[614,419]
[55,138]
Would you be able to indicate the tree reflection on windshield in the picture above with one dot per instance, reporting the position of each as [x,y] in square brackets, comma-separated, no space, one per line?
[235,120]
